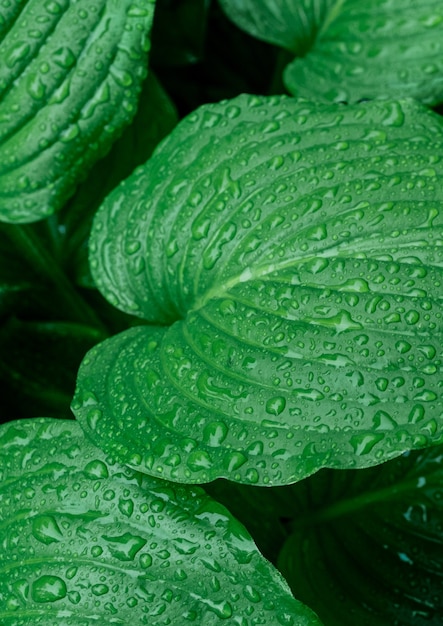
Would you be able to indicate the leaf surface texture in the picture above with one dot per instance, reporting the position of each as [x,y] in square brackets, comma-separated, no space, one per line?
[290,252]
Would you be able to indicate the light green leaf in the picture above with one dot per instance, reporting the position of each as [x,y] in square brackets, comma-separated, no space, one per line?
[348,50]
[367,545]
[292,253]
[84,540]
[70,75]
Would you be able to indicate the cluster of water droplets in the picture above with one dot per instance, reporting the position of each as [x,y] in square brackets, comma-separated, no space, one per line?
[70,76]
[85,539]
[294,249]
[344,63]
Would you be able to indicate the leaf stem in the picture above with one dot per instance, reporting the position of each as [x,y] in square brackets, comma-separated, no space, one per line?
[26,240]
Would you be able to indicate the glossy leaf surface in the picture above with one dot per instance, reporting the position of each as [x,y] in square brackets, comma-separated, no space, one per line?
[86,541]
[70,75]
[348,50]
[367,545]
[291,252]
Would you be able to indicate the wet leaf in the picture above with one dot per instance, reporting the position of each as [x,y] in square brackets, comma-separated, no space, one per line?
[348,50]
[367,545]
[70,76]
[84,540]
[291,252]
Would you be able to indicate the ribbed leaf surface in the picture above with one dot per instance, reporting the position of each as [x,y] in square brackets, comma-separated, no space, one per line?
[352,49]
[367,545]
[292,253]
[70,74]
[86,541]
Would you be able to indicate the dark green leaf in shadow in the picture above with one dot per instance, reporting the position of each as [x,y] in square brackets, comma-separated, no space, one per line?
[70,75]
[179,32]
[367,545]
[291,253]
[291,24]
[84,540]
[38,365]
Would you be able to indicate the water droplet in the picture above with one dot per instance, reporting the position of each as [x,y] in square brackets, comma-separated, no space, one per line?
[383,421]
[215,433]
[234,460]
[252,476]
[100,589]
[363,443]
[199,460]
[64,57]
[48,589]
[17,53]
[46,530]
[96,469]
[126,507]
[145,560]
[138,11]
[124,547]
[276,405]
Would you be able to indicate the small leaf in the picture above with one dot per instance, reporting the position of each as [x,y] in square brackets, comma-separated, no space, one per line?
[367,545]
[70,75]
[84,540]
[291,253]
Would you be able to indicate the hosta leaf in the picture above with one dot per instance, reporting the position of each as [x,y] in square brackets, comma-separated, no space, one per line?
[367,545]
[292,253]
[291,24]
[348,49]
[84,540]
[70,74]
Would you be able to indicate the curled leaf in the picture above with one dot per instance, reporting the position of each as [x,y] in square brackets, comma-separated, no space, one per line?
[84,540]
[70,75]
[291,253]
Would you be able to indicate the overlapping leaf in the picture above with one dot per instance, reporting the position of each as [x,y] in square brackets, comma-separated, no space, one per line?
[367,545]
[348,49]
[84,540]
[292,253]
[70,74]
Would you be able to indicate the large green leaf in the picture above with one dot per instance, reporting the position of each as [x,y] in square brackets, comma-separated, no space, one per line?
[349,49]
[292,253]
[70,75]
[367,545]
[84,540]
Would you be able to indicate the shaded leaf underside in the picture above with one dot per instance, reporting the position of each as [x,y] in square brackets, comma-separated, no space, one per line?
[367,545]
[294,250]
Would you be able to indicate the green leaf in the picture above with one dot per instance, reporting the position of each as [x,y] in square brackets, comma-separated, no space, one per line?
[70,75]
[348,50]
[84,540]
[291,252]
[367,545]
[291,24]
